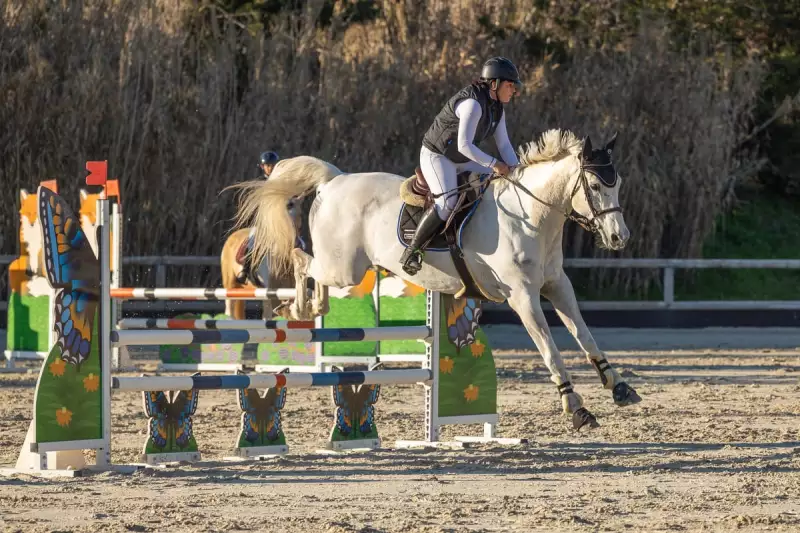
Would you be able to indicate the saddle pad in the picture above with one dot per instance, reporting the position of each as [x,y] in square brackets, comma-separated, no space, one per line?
[409,219]
[407,226]
[242,251]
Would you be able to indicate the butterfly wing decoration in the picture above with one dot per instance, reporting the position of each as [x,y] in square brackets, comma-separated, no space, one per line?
[251,403]
[69,259]
[184,405]
[272,425]
[364,407]
[342,395]
[155,406]
[71,266]
[463,317]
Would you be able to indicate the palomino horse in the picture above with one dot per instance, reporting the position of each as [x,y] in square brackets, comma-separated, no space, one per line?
[512,245]
[232,277]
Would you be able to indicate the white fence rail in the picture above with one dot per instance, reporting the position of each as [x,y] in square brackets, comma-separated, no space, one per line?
[667,266]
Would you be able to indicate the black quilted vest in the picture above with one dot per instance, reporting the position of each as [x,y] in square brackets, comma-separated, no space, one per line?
[442,136]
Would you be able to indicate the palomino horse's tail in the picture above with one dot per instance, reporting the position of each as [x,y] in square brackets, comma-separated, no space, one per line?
[264,202]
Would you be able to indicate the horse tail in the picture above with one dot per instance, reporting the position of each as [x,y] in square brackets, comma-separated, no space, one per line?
[264,202]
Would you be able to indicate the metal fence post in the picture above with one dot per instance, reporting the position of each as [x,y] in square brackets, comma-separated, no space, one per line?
[669,285]
[161,275]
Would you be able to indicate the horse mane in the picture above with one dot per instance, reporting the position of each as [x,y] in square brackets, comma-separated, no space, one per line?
[552,145]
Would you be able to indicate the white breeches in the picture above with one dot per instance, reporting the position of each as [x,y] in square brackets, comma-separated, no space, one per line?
[441,174]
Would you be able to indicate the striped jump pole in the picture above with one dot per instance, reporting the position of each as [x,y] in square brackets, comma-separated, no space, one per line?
[268,381]
[184,337]
[191,323]
[128,293]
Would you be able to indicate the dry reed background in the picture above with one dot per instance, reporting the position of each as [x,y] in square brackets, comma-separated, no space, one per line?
[181,107]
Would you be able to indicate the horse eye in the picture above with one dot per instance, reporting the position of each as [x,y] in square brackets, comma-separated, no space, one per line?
[595,187]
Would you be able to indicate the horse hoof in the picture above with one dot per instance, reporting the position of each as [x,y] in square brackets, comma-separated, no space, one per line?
[282,311]
[582,417]
[624,395]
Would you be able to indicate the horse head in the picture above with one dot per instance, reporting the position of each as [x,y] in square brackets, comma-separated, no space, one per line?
[595,195]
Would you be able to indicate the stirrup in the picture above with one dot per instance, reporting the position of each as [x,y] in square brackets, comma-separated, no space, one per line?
[413,263]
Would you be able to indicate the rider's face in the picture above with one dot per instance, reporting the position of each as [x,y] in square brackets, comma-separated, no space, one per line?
[267,169]
[506,91]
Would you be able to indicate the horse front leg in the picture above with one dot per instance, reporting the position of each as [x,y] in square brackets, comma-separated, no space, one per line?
[526,303]
[562,296]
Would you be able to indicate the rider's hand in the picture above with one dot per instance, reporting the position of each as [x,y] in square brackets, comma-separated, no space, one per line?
[500,168]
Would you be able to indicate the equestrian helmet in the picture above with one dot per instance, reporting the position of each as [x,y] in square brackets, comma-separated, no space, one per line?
[501,68]
[268,158]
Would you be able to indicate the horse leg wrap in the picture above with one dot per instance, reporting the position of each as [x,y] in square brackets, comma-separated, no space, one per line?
[608,376]
[571,401]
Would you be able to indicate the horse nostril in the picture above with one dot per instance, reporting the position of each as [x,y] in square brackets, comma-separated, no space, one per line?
[615,238]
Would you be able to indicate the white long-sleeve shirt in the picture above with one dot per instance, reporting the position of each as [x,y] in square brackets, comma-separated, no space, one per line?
[469,114]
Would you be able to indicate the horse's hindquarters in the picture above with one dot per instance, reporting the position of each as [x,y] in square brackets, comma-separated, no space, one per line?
[354,227]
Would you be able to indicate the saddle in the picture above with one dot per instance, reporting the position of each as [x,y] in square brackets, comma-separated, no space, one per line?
[417,198]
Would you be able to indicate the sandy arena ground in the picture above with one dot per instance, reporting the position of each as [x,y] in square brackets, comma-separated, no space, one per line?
[713,447]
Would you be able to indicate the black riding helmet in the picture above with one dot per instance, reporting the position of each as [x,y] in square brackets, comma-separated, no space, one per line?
[501,68]
[268,158]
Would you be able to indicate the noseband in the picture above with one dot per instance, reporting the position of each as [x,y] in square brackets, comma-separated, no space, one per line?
[589,224]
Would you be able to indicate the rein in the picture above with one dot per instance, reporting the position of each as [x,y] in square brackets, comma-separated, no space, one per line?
[589,224]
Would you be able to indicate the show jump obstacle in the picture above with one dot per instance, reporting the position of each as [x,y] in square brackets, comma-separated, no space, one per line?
[72,403]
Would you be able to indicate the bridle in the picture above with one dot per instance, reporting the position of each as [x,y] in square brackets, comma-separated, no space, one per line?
[589,224]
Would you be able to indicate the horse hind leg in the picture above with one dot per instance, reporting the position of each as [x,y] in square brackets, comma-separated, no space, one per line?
[320,305]
[300,308]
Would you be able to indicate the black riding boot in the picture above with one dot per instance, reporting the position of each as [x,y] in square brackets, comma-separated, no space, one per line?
[246,272]
[428,226]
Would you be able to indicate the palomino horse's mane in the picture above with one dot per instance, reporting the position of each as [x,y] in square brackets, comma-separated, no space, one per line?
[552,145]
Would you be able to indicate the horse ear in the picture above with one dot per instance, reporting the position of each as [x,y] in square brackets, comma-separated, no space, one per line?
[587,148]
[610,144]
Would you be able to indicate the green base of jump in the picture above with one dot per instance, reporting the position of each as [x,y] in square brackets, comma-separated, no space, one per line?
[28,327]
[68,400]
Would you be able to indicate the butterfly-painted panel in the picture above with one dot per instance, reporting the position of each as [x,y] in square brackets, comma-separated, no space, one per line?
[354,418]
[261,416]
[170,421]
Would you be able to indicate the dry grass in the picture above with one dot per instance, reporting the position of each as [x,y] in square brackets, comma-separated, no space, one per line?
[180,115]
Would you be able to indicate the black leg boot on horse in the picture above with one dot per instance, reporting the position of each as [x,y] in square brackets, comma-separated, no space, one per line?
[429,225]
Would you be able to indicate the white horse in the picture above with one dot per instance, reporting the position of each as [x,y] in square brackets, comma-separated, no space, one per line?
[512,245]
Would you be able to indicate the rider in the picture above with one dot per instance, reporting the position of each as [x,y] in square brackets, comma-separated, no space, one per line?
[449,147]
[267,163]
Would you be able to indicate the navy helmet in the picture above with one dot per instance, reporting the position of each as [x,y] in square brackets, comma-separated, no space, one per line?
[268,158]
